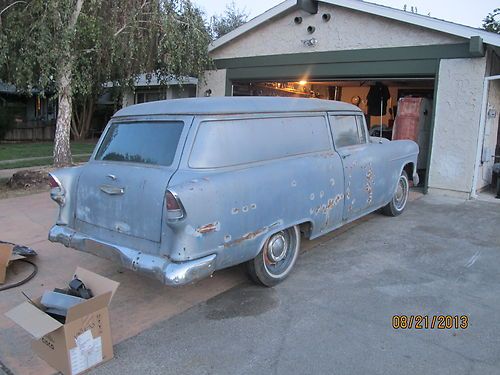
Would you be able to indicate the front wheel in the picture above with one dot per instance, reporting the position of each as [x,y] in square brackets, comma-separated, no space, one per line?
[398,203]
[276,258]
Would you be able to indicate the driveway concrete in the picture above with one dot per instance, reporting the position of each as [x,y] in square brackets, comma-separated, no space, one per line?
[333,314]
[138,304]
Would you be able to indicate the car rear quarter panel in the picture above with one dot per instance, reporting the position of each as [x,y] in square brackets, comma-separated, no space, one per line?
[68,179]
[231,211]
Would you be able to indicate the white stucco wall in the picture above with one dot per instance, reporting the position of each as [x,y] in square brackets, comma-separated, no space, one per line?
[214,80]
[489,141]
[458,107]
[490,136]
[346,30]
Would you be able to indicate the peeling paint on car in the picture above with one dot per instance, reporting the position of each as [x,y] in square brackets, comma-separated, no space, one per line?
[207,228]
[253,234]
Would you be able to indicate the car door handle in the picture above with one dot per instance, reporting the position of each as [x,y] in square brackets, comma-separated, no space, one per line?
[344,156]
[112,190]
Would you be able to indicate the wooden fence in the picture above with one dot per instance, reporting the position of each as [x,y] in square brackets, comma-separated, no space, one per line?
[31,133]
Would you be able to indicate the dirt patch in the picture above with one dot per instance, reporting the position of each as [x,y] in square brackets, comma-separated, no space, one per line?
[27,181]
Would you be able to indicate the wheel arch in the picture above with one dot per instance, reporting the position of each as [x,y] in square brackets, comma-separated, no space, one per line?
[305,228]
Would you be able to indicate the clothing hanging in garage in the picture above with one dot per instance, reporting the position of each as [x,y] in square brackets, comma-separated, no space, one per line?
[378,93]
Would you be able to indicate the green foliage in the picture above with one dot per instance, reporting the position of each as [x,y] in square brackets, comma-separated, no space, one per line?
[228,21]
[114,40]
[74,47]
[491,22]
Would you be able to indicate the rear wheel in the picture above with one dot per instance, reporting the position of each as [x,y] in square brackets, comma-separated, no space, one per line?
[276,258]
[398,203]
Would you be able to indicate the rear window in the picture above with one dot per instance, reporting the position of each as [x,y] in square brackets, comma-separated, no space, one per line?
[146,142]
[224,143]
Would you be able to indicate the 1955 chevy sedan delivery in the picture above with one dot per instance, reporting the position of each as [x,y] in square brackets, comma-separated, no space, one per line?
[178,189]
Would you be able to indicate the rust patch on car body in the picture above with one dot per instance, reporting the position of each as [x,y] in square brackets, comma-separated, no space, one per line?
[207,228]
[370,181]
[252,235]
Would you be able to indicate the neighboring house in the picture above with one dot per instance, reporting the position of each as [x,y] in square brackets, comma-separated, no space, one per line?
[148,91]
[35,116]
[339,49]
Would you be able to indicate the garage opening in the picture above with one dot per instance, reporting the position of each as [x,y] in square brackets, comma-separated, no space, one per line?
[406,102]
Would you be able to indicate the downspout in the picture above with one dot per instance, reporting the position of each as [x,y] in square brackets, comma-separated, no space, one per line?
[480,138]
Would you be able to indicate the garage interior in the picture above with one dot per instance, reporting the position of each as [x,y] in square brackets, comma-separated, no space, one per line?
[379,99]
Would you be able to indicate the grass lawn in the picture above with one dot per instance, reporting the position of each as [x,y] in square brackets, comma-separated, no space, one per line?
[38,162]
[11,151]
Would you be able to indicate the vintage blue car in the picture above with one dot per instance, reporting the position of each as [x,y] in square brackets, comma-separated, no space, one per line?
[178,189]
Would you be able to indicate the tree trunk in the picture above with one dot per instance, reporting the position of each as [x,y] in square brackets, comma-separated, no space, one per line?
[62,150]
[82,117]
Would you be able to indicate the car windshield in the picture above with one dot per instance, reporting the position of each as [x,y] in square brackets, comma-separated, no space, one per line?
[141,142]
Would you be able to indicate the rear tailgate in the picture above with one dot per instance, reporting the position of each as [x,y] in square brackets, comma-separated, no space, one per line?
[123,188]
[125,198]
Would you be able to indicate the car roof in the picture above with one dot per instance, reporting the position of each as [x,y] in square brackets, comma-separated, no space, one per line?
[233,105]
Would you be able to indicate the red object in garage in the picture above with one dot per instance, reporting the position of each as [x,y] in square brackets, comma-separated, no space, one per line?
[413,122]
[408,119]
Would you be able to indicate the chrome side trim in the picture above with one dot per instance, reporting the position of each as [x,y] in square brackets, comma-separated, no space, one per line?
[168,272]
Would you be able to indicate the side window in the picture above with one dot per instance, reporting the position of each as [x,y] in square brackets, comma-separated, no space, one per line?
[222,143]
[361,129]
[345,130]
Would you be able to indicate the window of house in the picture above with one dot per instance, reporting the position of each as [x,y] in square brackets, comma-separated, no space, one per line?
[149,96]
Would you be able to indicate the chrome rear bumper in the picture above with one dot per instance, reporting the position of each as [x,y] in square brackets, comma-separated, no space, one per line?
[168,272]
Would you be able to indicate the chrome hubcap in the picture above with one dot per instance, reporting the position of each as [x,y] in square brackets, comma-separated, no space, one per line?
[401,193]
[276,248]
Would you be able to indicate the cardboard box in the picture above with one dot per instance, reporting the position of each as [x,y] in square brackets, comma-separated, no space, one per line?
[84,340]
[6,257]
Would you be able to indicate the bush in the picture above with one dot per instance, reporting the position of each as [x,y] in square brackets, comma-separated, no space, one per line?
[7,120]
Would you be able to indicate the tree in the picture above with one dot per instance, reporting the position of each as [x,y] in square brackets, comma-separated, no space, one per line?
[73,47]
[491,23]
[228,21]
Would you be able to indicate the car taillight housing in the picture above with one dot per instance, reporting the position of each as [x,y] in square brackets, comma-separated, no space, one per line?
[57,193]
[53,182]
[175,211]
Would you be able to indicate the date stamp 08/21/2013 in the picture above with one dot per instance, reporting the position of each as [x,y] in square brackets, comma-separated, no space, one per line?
[430,322]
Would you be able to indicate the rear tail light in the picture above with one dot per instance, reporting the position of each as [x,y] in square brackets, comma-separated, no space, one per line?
[175,211]
[53,182]
[57,192]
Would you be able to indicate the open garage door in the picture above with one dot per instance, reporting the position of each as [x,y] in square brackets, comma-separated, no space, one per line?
[388,103]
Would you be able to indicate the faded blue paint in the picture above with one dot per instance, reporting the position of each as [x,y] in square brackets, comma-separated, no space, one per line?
[230,211]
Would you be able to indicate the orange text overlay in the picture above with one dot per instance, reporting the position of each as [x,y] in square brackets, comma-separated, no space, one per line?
[430,322]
